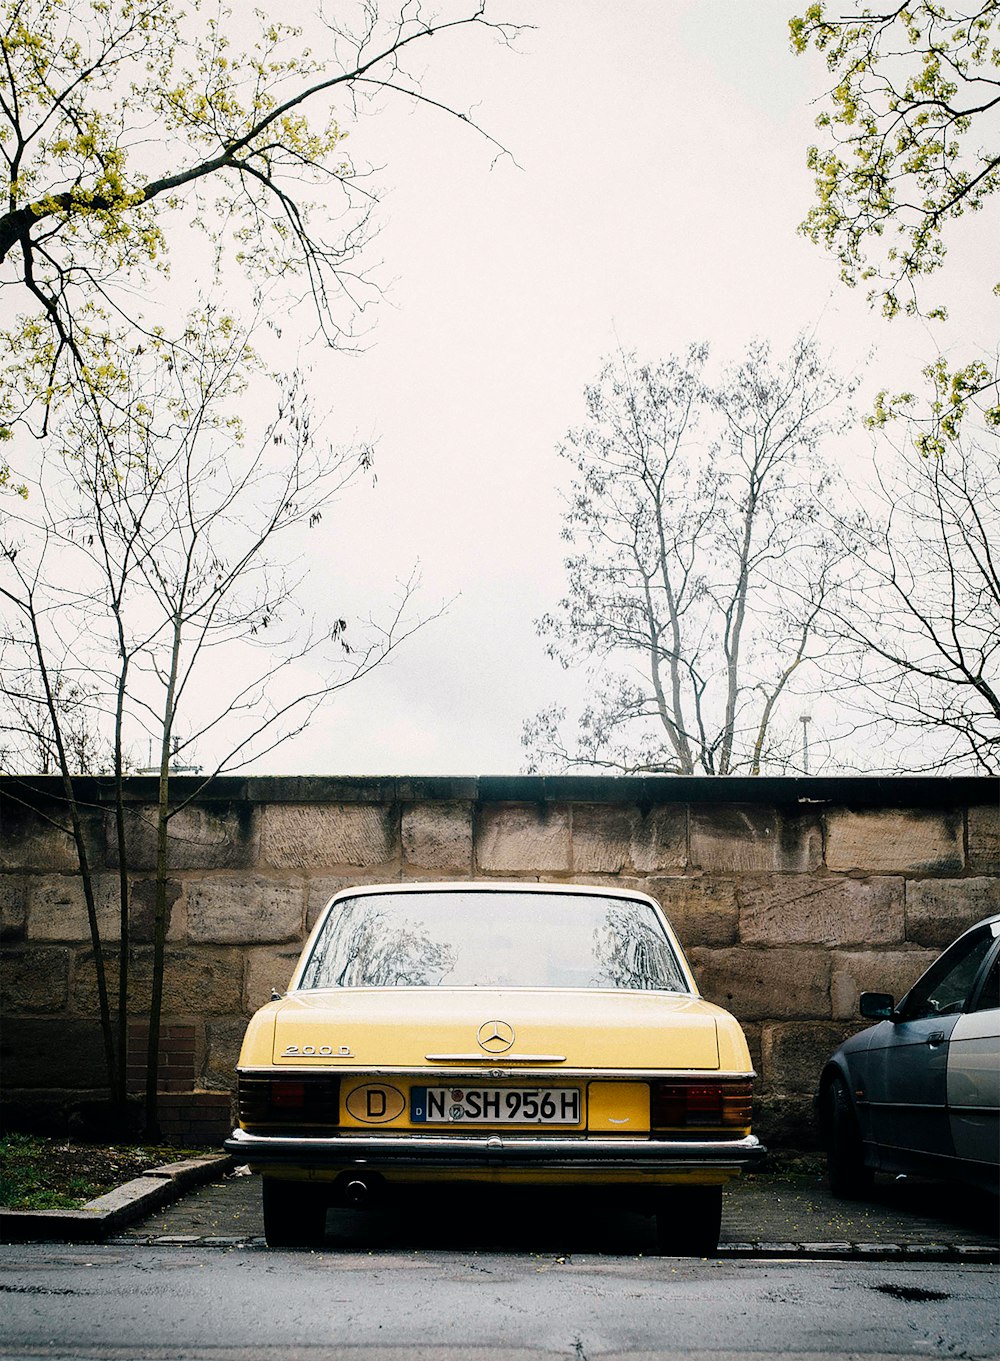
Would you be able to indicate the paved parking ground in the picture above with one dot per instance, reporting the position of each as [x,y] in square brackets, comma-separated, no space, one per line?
[768,1212]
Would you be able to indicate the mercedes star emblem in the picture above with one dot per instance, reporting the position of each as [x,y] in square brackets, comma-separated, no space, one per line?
[495,1036]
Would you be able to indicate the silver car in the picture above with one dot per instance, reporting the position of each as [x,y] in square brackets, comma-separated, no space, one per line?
[920,1091]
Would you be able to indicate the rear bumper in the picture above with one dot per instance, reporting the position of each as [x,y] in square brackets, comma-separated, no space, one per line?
[451,1153]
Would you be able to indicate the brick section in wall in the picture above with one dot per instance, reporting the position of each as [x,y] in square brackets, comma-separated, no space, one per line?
[176,1071]
[195,1119]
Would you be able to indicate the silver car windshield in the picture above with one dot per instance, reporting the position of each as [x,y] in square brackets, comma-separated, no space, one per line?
[469,939]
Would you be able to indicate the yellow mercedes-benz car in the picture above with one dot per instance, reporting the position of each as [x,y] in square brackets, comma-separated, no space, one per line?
[547,1034]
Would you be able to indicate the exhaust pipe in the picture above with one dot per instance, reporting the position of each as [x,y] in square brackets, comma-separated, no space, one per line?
[359,1190]
[357,1193]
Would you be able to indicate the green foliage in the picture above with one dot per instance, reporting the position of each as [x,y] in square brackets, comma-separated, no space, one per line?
[7,483]
[952,390]
[47,1174]
[125,124]
[904,116]
[910,146]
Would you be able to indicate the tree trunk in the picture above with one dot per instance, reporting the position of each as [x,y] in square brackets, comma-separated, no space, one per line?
[160,913]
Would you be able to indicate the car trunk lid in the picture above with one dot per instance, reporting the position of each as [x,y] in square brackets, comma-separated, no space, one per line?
[376,1028]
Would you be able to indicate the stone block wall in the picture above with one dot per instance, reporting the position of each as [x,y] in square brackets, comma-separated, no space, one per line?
[791,896]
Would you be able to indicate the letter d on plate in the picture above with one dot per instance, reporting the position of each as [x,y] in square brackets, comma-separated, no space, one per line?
[375,1103]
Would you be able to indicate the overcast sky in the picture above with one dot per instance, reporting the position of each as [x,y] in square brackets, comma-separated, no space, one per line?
[659,179]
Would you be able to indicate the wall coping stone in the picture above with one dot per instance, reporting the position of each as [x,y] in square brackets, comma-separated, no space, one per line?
[781,791]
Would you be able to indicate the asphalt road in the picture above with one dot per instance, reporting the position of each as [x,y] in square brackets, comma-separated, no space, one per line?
[149,1304]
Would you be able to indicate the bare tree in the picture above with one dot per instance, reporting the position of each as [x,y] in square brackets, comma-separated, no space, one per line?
[699,565]
[128,124]
[27,737]
[915,616]
[160,551]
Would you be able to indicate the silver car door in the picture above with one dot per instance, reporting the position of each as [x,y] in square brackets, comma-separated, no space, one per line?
[908,1085]
[974,1072]
[908,1059]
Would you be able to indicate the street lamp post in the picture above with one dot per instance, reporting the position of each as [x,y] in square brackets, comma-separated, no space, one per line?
[805,720]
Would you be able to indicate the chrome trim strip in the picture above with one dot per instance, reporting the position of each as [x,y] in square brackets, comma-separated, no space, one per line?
[501,1070]
[493,1150]
[492,1058]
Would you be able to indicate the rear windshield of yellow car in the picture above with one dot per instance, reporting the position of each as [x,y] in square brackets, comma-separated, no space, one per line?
[469,939]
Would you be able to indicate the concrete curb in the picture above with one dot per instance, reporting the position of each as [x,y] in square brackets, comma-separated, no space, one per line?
[116,1209]
[866,1252]
[967,1253]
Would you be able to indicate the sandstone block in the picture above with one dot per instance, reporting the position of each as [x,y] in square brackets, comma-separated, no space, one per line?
[27,842]
[820,910]
[197,838]
[238,911]
[741,838]
[57,907]
[761,984]
[196,982]
[320,890]
[203,981]
[660,841]
[523,837]
[438,836]
[13,906]
[984,839]
[267,969]
[858,971]
[313,837]
[701,910]
[223,1037]
[753,1031]
[904,841]
[602,837]
[937,910]
[83,994]
[793,1053]
[34,979]
[783,1121]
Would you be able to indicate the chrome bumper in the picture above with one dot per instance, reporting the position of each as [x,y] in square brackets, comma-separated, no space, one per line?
[431,1152]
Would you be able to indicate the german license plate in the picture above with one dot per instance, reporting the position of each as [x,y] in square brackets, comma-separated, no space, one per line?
[495,1105]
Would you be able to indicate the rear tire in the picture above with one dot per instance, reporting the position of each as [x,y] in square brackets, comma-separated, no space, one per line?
[688,1220]
[294,1213]
[849,1178]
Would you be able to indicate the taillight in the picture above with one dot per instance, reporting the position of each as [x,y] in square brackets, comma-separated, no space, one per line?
[312,1099]
[679,1105]
[287,1095]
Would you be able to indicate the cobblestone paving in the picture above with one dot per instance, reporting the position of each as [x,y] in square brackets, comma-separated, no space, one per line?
[764,1210]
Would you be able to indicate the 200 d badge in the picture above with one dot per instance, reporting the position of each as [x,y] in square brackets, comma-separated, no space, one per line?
[317,1051]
